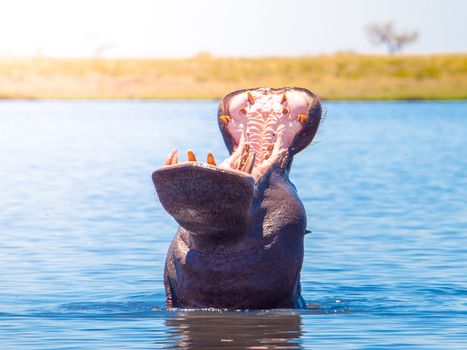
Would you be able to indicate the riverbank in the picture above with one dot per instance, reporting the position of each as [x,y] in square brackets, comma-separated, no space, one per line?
[333,77]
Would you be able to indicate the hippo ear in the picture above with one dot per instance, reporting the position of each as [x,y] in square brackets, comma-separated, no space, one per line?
[205,200]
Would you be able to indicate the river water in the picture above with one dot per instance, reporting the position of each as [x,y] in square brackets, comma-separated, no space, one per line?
[83,238]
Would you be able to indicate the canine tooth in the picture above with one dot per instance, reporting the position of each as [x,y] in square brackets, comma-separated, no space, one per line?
[175,158]
[284,98]
[244,156]
[302,118]
[243,111]
[250,163]
[191,156]
[251,99]
[211,158]
[241,164]
[225,119]
[173,155]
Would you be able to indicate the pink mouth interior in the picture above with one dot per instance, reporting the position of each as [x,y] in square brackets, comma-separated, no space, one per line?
[263,124]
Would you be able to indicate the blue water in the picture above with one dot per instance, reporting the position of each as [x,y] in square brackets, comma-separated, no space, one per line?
[83,238]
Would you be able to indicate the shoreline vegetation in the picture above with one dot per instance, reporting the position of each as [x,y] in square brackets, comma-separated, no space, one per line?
[332,77]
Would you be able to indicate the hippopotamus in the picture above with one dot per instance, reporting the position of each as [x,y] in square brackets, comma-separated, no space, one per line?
[242,225]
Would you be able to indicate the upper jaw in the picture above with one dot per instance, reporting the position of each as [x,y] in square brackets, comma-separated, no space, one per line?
[262,128]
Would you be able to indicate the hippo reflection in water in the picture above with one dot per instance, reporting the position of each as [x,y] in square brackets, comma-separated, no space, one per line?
[240,240]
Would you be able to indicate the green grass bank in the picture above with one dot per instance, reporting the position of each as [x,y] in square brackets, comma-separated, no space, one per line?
[333,77]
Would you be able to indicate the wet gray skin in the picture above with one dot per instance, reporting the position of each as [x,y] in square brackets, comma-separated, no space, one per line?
[242,224]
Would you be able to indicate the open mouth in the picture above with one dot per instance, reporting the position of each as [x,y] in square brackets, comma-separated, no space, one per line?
[261,128]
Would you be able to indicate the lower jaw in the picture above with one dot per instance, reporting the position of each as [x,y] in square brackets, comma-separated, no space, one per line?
[253,162]
[242,162]
[276,160]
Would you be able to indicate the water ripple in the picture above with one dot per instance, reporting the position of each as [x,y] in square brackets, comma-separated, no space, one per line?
[83,238]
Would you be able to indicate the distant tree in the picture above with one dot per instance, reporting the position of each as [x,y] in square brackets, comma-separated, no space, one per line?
[385,34]
[101,49]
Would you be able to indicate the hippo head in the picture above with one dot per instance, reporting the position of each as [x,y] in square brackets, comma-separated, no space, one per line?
[263,129]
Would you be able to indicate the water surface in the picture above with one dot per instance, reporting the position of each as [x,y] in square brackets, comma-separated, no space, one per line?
[83,238]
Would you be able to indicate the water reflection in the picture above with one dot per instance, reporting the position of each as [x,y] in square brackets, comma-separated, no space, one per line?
[235,330]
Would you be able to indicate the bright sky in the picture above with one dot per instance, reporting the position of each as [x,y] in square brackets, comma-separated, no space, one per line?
[173,28]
